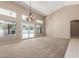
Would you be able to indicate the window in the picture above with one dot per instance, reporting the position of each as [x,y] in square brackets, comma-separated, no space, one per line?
[39,29]
[7,29]
[7,12]
[24,17]
[2,29]
[13,14]
[39,21]
[10,27]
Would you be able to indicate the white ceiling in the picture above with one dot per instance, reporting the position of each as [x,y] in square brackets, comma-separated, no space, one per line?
[45,8]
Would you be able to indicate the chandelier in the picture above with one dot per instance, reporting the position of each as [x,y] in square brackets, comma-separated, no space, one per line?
[30,17]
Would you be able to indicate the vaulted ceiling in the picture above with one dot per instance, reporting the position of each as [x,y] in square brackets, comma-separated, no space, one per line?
[45,8]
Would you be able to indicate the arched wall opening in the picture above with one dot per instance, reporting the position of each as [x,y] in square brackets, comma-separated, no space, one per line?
[74,28]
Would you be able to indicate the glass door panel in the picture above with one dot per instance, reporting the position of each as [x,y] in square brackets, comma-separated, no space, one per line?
[24,31]
[37,29]
[31,30]
[10,27]
[2,28]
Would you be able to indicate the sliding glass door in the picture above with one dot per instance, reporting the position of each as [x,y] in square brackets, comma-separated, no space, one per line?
[27,30]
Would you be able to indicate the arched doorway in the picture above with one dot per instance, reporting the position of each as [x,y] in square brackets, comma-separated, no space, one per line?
[74,28]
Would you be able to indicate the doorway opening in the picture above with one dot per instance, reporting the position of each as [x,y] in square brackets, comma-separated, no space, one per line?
[74,29]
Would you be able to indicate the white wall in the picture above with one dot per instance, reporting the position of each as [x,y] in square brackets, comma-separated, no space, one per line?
[58,24]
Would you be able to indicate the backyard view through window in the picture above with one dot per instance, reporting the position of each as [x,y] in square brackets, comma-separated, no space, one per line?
[10,27]
[7,29]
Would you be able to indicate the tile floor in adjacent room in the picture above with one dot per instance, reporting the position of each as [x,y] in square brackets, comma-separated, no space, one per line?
[41,47]
[73,49]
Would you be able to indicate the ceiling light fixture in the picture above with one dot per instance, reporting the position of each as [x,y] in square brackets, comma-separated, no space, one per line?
[30,17]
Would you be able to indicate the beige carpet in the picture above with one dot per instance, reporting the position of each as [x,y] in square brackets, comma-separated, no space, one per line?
[43,47]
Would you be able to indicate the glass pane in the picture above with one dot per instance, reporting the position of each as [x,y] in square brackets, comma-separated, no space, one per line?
[39,21]
[7,12]
[41,29]
[4,12]
[31,30]
[10,29]
[37,29]
[2,29]
[24,30]
[13,14]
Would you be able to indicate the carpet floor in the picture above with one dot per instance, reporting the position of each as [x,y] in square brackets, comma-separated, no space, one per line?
[42,47]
